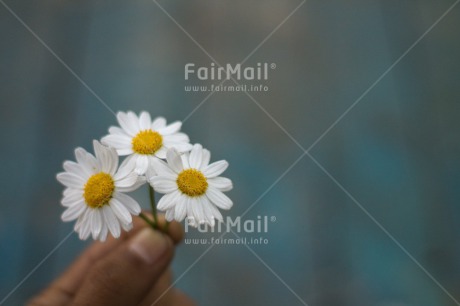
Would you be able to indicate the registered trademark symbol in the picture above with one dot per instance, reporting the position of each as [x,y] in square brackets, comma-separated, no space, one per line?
[272,218]
[273,66]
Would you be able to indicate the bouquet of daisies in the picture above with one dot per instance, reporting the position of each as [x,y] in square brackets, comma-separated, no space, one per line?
[155,153]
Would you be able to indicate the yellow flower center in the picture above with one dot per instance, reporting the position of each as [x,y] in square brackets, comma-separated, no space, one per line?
[192,182]
[98,190]
[147,142]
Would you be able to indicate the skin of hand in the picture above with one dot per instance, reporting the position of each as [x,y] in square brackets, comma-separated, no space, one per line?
[131,270]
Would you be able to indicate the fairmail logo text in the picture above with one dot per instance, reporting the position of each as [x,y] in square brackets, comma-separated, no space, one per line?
[227,72]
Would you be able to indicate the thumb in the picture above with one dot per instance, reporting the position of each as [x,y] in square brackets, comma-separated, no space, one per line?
[127,274]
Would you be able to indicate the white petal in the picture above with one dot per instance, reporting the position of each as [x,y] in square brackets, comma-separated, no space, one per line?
[127,181]
[218,198]
[208,213]
[72,198]
[115,130]
[196,156]
[197,209]
[87,161]
[85,229]
[185,158]
[126,168]
[74,211]
[215,212]
[131,205]
[181,147]
[176,137]
[128,125]
[104,231]
[142,163]
[170,128]
[168,200]
[144,121]
[124,152]
[150,160]
[71,191]
[96,223]
[169,215]
[206,158]
[181,209]
[189,208]
[164,184]
[113,165]
[162,168]
[221,183]
[127,227]
[111,221]
[120,211]
[80,221]
[151,171]
[134,119]
[117,141]
[70,180]
[161,153]
[107,157]
[73,167]
[80,155]
[158,123]
[140,181]
[215,169]
[174,160]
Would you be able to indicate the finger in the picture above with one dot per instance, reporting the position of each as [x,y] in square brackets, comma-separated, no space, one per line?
[174,229]
[70,281]
[164,294]
[67,284]
[63,289]
[125,275]
[181,299]
[155,295]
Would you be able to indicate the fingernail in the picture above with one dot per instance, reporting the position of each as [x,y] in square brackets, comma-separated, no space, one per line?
[149,245]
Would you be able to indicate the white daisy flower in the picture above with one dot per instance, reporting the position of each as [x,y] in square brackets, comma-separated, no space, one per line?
[145,140]
[192,186]
[95,193]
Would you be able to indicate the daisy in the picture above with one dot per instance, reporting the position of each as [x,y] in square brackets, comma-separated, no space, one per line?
[145,140]
[192,186]
[95,193]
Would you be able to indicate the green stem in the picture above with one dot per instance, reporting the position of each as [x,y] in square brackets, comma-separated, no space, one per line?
[153,223]
[149,222]
[152,205]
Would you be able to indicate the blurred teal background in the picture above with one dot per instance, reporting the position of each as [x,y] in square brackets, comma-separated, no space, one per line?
[397,152]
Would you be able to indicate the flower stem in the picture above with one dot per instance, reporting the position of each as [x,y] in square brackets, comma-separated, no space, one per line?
[153,223]
[149,222]
[152,205]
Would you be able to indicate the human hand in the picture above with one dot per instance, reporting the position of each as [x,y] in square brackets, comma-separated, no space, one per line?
[131,270]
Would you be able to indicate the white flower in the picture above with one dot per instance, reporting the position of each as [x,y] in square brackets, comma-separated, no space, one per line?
[145,140]
[95,193]
[191,186]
